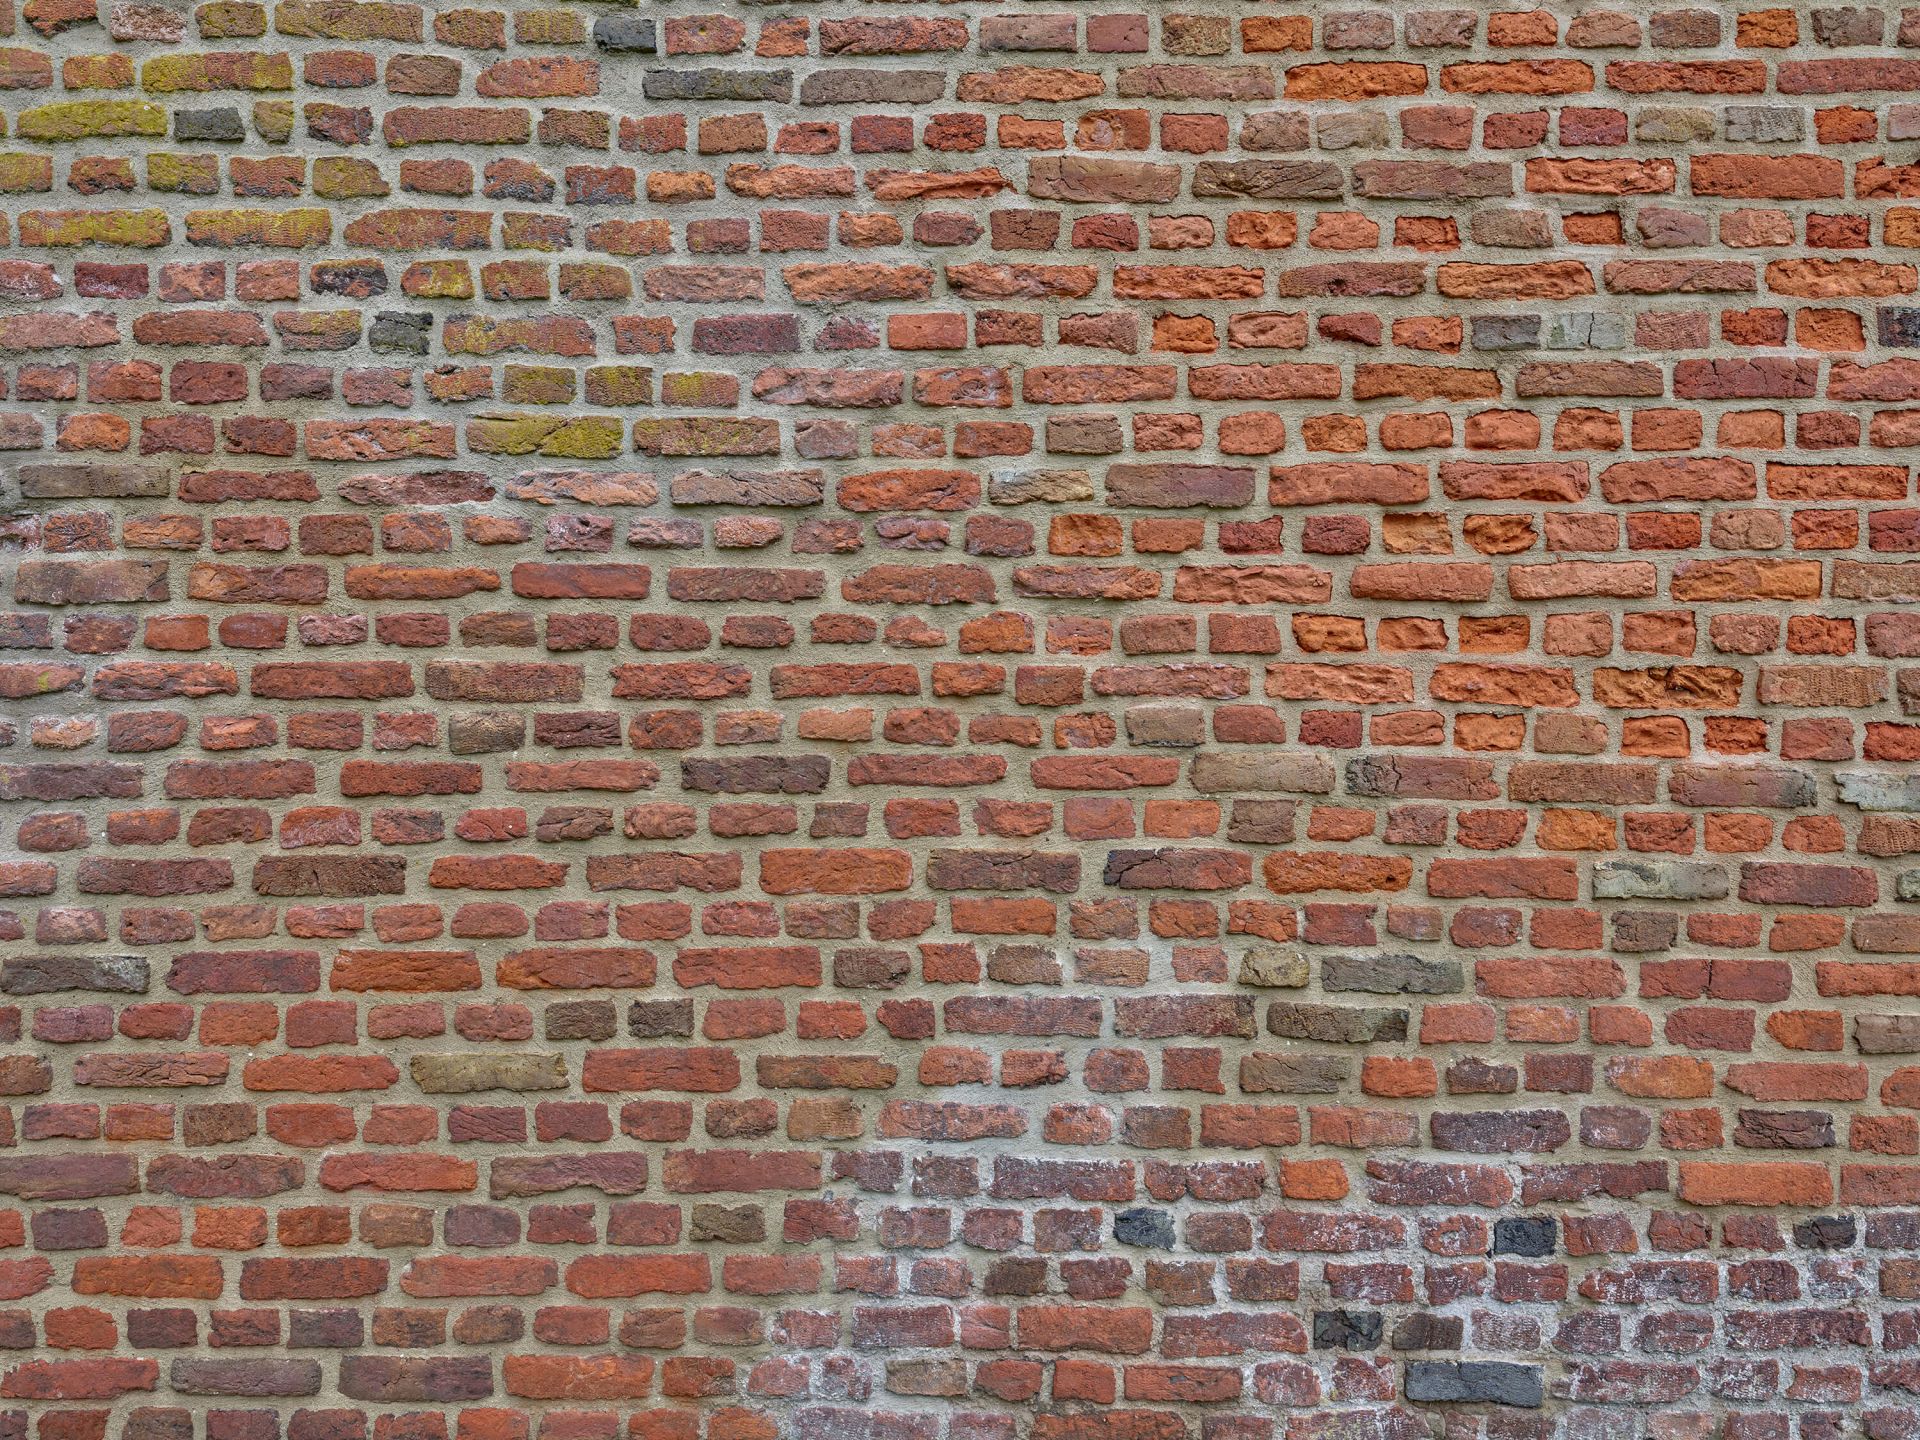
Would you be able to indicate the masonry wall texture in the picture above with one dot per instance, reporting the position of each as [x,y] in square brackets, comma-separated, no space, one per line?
[1048,721]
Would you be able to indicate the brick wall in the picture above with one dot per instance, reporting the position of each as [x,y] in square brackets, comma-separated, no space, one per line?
[946,722]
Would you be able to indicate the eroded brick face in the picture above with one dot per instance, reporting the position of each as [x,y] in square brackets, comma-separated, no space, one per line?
[952,722]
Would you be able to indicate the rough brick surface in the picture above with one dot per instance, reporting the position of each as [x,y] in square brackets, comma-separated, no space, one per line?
[959,722]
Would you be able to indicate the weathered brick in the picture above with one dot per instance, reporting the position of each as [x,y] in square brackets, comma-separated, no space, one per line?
[1159,692]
